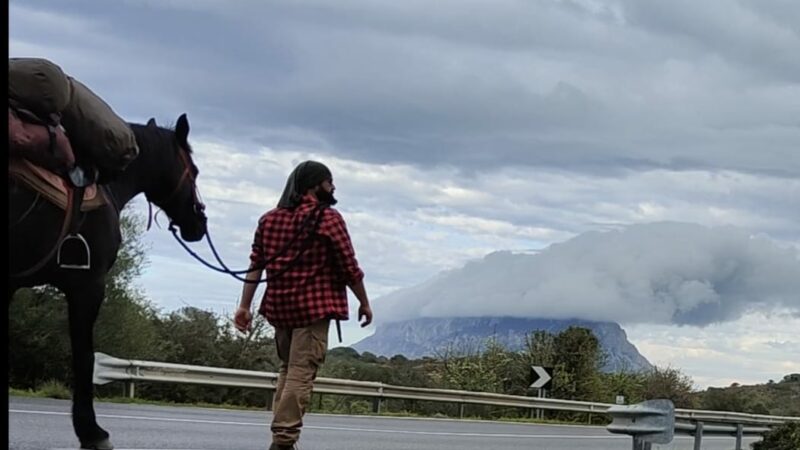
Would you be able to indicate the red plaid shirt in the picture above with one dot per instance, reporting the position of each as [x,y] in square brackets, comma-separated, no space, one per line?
[315,285]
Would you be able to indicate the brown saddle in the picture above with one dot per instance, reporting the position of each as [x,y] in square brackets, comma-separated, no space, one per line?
[53,187]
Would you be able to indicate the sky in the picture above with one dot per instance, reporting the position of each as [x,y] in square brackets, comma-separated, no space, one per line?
[635,161]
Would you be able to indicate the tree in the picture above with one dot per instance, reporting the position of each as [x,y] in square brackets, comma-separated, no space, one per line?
[190,336]
[791,378]
[481,371]
[369,357]
[343,352]
[540,349]
[668,383]
[126,324]
[627,384]
[398,359]
[578,359]
[38,338]
[254,350]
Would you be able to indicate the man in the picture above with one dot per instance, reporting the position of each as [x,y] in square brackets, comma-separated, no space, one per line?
[305,248]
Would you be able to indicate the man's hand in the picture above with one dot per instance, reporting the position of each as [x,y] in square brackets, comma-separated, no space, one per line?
[365,312]
[243,319]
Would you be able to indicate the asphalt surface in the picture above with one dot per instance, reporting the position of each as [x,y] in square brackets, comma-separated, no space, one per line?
[44,424]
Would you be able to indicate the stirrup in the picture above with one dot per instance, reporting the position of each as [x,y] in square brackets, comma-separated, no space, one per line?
[80,244]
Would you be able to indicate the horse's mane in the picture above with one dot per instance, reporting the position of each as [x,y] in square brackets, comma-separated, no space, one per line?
[156,136]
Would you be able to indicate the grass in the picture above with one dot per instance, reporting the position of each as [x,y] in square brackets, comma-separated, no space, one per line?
[140,401]
[23,392]
[60,391]
[49,389]
[55,389]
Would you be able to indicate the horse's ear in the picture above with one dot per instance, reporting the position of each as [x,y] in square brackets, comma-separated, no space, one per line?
[182,129]
[151,122]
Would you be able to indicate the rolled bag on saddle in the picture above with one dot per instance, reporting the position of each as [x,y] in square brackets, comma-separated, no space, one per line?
[41,99]
[43,144]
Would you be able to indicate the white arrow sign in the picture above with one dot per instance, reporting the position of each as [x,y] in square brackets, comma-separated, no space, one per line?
[543,377]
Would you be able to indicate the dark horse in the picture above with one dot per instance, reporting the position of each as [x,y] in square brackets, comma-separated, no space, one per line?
[165,173]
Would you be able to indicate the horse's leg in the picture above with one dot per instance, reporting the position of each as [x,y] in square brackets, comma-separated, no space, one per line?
[84,304]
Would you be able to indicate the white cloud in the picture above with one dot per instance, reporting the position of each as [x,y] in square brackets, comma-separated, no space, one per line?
[667,273]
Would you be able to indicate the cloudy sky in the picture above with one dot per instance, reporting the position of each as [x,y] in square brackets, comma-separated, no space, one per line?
[656,143]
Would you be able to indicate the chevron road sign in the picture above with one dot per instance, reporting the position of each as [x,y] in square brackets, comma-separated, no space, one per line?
[541,377]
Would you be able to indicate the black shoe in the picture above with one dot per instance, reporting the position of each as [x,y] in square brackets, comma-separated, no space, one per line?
[282,447]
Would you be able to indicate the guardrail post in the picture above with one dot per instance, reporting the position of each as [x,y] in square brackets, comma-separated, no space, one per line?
[698,435]
[377,401]
[460,410]
[652,421]
[739,434]
[130,389]
[270,399]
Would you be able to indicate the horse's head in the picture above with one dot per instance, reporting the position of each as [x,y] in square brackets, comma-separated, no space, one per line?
[172,186]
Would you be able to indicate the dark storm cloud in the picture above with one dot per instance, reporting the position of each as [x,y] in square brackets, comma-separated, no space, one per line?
[587,86]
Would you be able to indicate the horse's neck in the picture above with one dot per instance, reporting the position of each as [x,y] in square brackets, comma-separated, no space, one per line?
[134,180]
[131,182]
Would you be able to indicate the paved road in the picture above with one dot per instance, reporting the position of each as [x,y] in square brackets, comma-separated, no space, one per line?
[45,424]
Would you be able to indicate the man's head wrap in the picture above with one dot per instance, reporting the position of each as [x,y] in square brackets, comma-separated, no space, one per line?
[304,177]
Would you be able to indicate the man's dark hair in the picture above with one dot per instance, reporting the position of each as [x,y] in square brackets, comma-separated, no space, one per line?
[305,176]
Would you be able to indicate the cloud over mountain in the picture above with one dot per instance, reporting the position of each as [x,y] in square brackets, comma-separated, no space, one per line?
[664,273]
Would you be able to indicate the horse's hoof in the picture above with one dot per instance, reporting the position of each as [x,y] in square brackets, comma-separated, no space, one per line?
[105,444]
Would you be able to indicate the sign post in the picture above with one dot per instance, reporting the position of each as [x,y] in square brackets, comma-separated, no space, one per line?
[541,379]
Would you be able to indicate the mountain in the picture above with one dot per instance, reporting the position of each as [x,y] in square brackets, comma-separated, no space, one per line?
[416,338]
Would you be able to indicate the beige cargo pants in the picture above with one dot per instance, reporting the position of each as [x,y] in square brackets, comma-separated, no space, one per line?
[302,351]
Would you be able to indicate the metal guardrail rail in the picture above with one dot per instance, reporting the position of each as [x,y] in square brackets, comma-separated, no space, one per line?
[687,421]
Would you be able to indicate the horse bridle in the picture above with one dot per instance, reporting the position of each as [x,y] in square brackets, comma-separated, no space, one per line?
[198,205]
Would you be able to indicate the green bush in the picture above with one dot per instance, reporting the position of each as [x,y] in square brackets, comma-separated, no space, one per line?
[782,437]
[55,389]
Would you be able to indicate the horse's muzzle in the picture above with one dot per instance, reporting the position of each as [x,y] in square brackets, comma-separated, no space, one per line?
[195,229]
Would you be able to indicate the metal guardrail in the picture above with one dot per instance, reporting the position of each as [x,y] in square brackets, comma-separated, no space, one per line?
[687,421]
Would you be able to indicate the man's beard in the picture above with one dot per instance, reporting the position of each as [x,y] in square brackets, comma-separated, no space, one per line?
[326,197]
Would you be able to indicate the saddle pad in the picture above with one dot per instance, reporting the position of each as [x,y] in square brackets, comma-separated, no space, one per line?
[53,187]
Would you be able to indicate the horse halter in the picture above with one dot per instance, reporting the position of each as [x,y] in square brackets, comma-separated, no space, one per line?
[199,206]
